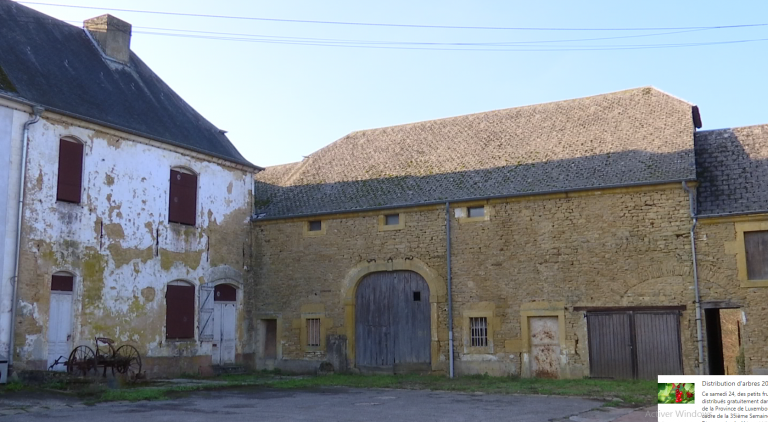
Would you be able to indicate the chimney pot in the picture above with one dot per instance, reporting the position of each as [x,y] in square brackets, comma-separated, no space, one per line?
[112,35]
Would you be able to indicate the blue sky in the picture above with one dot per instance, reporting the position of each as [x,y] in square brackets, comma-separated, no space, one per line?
[281,101]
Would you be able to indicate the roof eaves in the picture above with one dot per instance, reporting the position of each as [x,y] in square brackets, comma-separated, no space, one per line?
[469,199]
[245,163]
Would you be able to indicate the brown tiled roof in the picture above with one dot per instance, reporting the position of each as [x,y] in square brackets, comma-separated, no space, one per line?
[636,136]
[732,167]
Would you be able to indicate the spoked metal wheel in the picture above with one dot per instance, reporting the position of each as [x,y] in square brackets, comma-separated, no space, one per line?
[82,361]
[128,361]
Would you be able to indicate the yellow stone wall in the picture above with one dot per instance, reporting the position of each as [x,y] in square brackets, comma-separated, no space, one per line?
[719,275]
[537,255]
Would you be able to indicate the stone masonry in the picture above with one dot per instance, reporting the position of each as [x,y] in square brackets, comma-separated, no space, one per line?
[619,247]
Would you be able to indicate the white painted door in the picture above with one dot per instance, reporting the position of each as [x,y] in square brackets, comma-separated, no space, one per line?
[224,329]
[59,328]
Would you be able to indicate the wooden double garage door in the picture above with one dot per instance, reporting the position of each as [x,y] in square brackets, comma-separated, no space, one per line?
[634,344]
[392,323]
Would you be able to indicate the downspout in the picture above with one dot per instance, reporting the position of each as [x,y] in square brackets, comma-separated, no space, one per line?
[450,291]
[37,111]
[699,336]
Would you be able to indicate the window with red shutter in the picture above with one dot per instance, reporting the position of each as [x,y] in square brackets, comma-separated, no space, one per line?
[182,207]
[70,171]
[180,311]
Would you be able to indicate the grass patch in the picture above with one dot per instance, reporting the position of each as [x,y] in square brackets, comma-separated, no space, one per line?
[616,392]
[13,386]
[135,394]
[630,392]
[613,403]
[138,394]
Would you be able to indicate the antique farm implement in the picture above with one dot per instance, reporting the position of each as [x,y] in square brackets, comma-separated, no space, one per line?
[84,360]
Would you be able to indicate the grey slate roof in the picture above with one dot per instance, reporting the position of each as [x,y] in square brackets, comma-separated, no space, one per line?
[638,136]
[54,64]
[732,167]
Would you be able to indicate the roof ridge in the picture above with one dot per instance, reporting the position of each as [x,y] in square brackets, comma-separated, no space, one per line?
[671,95]
[732,128]
[567,100]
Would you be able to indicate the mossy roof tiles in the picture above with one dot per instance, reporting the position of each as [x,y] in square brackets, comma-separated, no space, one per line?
[732,167]
[637,136]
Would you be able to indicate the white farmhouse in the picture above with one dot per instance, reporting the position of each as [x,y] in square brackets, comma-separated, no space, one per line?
[133,212]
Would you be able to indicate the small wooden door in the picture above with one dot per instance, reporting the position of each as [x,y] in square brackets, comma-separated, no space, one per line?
[60,321]
[392,323]
[224,333]
[224,324]
[545,347]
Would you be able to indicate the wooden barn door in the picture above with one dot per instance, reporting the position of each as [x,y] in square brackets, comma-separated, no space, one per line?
[634,344]
[610,345]
[657,338]
[392,323]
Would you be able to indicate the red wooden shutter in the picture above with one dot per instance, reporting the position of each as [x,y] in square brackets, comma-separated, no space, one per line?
[62,283]
[182,207]
[180,312]
[70,171]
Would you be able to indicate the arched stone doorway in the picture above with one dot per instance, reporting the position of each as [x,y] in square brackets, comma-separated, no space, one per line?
[392,323]
[437,295]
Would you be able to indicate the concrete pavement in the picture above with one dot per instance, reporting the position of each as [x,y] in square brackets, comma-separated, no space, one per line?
[320,405]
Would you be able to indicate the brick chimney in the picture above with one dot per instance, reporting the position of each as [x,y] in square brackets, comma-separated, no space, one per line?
[112,35]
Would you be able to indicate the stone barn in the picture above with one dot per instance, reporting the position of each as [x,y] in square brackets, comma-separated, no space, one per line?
[552,240]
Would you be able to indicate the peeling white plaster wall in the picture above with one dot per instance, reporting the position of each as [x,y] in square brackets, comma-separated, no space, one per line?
[125,185]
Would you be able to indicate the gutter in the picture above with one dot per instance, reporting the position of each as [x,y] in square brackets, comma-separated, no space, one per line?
[450,290]
[733,214]
[476,198]
[37,110]
[699,336]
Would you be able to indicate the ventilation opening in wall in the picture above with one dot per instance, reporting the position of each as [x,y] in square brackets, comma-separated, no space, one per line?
[473,212]
[313,332]
[315,226]
[392,219]
[478,328]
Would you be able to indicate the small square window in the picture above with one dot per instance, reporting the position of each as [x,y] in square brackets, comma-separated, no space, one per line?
[315,226]
[475,212]
[417,296]
[392,219]
[478,330]
[313,332]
